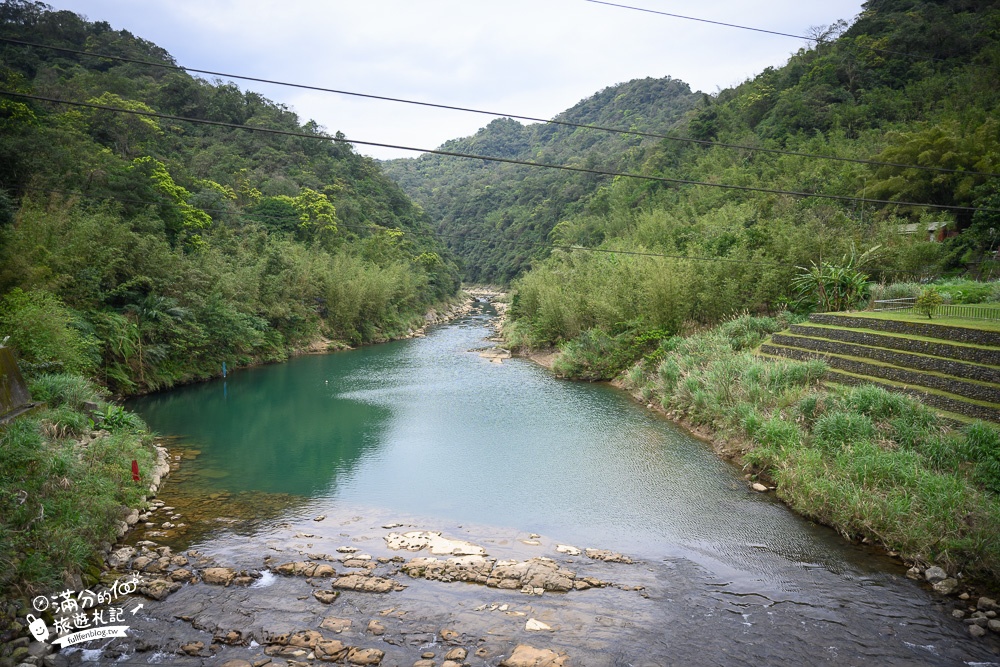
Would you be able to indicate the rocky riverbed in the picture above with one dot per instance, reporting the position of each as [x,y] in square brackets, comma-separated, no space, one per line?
[344,591]
[373,589]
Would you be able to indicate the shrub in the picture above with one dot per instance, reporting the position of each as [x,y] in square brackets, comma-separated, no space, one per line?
[45,333]
[58,389]
[928,301]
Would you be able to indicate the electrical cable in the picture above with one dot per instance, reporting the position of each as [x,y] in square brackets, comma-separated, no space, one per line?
[818,40]
[546,165]
[587,126]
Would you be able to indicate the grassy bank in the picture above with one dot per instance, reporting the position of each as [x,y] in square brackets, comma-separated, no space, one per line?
[64,484]
[874,465]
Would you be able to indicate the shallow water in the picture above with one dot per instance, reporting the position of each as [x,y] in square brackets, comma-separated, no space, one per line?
[430,434]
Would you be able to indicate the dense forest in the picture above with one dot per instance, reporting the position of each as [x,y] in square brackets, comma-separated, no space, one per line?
[496,215]
[145,251]
[910,83]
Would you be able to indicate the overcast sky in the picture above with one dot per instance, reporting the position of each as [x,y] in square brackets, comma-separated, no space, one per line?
[527,57]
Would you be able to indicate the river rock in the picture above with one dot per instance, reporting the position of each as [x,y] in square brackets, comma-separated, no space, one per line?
[366,583]
[535,575]
[459,654]
[986,604]
[608,556]
[193,648]
[132,517]
[758,487]
[182,574]
[534,625]
[307,639]
[219,576]
[237,662]
[306,569]
[365,656]
[529,656]
[977,631]
[567,549]
[994,625]
[541,573]
[120,557]
[326,597]
[331,650]
[376,628]
[334,624]
[285,651]
[935,574]
[914,573]
[141,562]
[433,542]
[946,586]
[159,589]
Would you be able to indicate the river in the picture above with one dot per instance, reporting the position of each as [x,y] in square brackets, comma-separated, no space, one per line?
[324,451]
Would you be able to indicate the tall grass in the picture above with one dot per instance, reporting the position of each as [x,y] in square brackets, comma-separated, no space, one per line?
[62,499]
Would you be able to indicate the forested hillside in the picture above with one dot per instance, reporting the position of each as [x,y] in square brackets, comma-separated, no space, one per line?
[496,215]
[910,85]
[146,251]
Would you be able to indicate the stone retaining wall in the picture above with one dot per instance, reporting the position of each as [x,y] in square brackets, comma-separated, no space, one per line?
[933,400]
[951,385]
[935,348]
[960,334]
[915,361]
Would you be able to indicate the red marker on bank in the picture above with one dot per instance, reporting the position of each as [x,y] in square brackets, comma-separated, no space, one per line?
[135,470]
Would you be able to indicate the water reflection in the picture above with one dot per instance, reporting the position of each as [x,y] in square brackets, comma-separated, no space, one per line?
[285,428]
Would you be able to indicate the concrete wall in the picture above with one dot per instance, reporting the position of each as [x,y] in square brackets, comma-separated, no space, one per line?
[14,396]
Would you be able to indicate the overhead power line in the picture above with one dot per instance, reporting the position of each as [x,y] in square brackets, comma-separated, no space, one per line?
[917,56]
[498,114]
[545,165]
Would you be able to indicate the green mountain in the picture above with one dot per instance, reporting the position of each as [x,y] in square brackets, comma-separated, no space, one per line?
[147,250]
[496,216]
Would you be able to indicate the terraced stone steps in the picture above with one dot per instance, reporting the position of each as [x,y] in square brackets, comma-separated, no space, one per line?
[955,369]
[917,344]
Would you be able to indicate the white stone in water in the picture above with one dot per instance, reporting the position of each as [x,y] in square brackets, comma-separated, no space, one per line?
[568,550]
[758,487]
[534,625]
[433,542]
